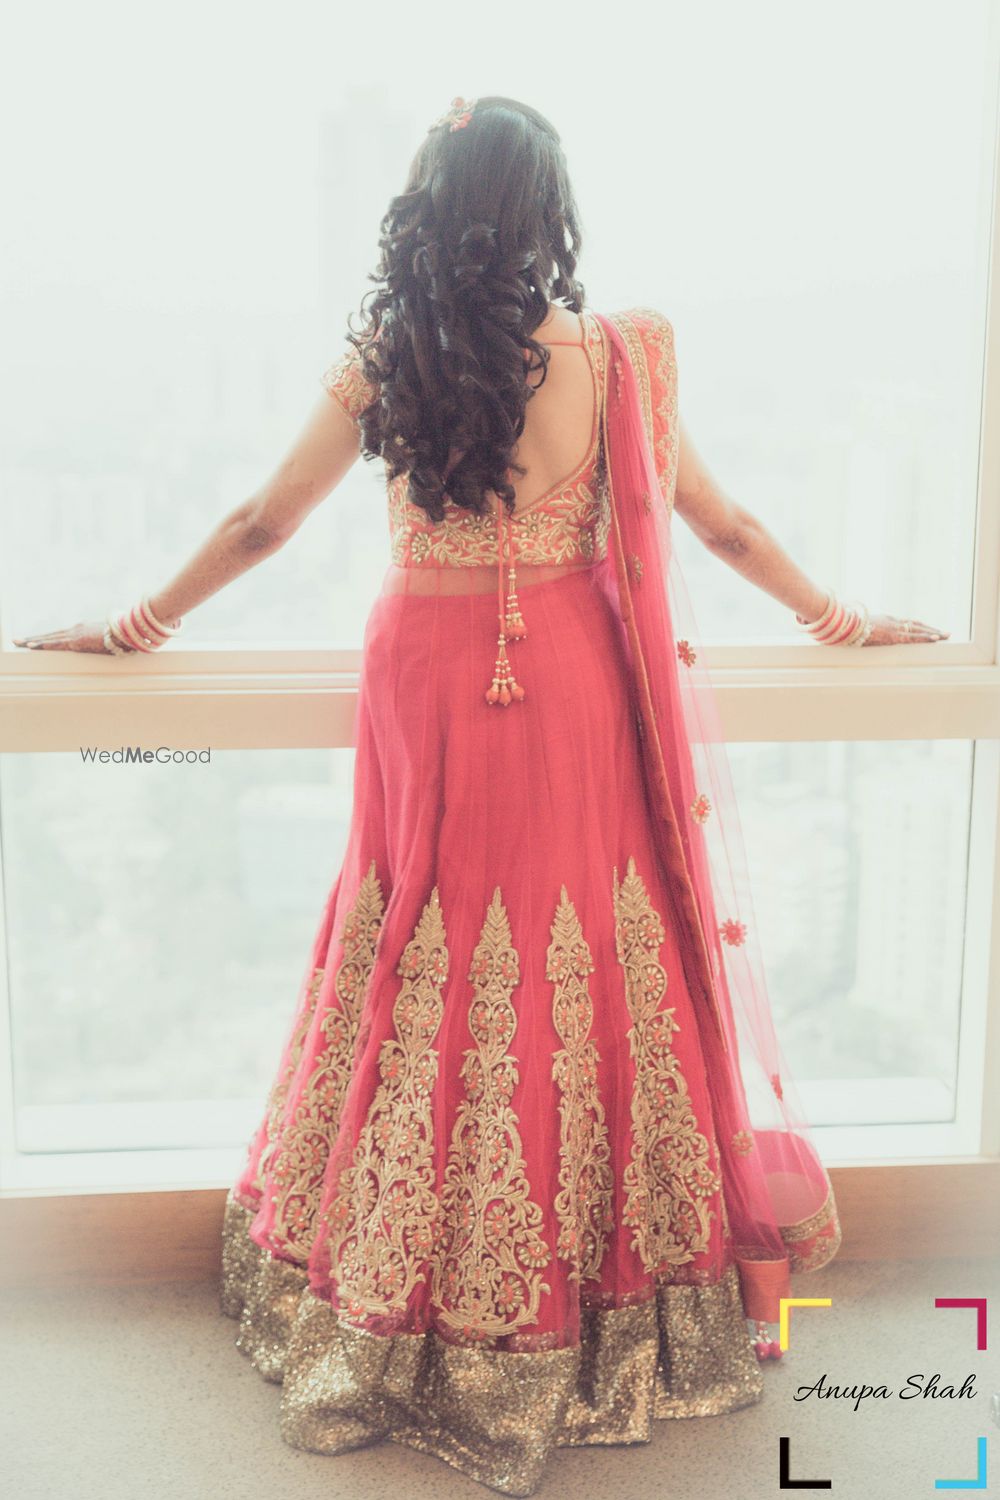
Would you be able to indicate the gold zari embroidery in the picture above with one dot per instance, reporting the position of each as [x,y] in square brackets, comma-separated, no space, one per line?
[824,1225]
[571,525]
[649,338]
[383,1216]
[583,1203]
[495,1416]
[305,1141]
[345,381]
[670,1176]
[278,1096]
[568,526]
[487,1276]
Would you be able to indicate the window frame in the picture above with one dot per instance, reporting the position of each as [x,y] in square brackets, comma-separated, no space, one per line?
[767,690]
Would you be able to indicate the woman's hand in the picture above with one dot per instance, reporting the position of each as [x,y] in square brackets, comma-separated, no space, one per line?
[316,462]
[888,631]
[739,539]
[78,637]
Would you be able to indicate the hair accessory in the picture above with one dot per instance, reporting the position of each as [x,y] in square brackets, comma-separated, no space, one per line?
[458,116]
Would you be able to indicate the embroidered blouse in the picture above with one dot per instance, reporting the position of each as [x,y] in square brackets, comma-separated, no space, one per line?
[567,524]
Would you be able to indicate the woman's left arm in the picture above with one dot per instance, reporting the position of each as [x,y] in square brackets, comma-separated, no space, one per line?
[257,528]
[741,540]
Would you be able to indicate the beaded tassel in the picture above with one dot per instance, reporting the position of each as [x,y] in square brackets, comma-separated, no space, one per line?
[765,1348]
[514,626]
[505,688]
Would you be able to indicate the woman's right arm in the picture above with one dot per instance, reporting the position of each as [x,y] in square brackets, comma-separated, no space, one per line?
[314,465]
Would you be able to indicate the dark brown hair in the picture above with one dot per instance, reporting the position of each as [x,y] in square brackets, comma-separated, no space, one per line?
[484,236]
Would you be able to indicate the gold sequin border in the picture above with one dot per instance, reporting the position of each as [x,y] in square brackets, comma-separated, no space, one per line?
[813,1242]
[493,1414]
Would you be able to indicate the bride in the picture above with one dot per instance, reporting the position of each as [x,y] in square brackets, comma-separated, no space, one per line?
[531,1157]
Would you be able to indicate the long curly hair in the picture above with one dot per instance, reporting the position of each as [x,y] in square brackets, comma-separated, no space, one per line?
[484,236]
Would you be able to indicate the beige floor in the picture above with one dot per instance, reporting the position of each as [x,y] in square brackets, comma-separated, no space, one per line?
[139,1392]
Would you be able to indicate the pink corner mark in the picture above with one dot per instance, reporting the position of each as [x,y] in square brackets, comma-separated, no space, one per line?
[979,1303]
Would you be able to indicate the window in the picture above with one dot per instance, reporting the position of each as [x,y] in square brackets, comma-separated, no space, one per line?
[823,237]
[859,855]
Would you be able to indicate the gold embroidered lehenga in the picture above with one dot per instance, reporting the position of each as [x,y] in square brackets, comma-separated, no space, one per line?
[491,1206]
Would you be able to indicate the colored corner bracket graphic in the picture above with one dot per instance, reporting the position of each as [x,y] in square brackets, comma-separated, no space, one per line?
[979,1303]
[979,1483]
[787,1302]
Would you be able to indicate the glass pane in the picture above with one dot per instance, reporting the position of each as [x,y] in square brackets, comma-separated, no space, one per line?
[830,328]
[858,856]
[158,922]
[817,233]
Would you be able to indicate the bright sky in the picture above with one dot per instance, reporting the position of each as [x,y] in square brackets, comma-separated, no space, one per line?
[172,148]
[192,195]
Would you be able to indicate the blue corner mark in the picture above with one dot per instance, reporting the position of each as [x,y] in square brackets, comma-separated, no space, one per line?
[979,1483]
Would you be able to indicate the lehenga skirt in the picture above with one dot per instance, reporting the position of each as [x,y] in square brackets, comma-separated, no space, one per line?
[483,1214]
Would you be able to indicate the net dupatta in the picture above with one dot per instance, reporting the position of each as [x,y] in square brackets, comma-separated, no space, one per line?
[778,1197]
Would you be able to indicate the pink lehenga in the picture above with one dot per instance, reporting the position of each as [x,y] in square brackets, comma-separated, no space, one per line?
[532,1155]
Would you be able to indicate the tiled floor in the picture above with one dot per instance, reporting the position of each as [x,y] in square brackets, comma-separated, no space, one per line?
[139,1392]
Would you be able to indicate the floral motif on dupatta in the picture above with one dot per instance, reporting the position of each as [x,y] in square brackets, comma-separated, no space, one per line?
[305,1142]
[670,1177]
[649,338]
[487,1278]
[384,1217]
[583,1203]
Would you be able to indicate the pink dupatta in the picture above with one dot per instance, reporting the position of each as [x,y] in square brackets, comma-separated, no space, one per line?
[777,1193]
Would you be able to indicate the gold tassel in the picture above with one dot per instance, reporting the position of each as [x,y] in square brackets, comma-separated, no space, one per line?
[514,626]
[505,688]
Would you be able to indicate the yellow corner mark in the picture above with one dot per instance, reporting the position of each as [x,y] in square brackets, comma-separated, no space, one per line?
[785,1303]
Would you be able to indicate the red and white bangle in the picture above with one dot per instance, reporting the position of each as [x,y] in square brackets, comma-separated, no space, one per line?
[138,629]
[815,627]
[155,625]
[838,625]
